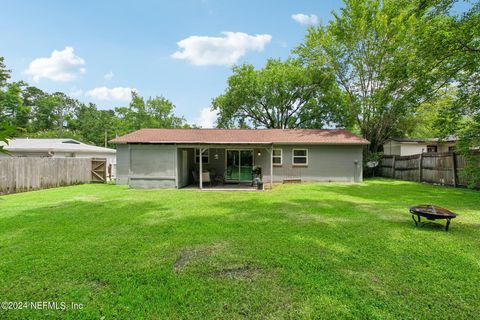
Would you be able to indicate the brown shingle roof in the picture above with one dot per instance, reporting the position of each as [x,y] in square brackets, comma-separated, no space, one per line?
[242,136]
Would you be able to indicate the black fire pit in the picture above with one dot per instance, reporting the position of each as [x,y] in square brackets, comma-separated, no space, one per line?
[431,213]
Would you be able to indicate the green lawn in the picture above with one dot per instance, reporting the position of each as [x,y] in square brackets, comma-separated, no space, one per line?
[299,251]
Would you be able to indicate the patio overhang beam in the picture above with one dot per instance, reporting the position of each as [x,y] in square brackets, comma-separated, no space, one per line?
[270,151]
[225,146]
[200,156]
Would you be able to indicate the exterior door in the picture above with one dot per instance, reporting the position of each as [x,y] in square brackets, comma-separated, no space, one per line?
[239,165]
[185,168]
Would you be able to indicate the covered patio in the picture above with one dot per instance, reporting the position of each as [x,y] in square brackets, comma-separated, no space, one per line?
[228,167]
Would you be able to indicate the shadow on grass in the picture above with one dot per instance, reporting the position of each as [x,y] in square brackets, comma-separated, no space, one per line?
[72,219]
[395,192]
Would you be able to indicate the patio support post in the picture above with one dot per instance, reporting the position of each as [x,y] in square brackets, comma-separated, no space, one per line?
[271,167]
[200,174]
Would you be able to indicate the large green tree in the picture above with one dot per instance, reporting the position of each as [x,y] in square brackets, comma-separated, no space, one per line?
[454,43]
[283,94]
[437,117]
[96,126]
[12,109]
[372,48]
[7,130]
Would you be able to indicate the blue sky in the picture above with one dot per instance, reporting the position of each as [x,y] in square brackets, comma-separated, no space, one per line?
[103,45]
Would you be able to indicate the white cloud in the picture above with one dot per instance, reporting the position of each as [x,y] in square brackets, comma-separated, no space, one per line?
[108,76]
[226,50]
[60,66]
[305,19]
[111,94]
[207,118]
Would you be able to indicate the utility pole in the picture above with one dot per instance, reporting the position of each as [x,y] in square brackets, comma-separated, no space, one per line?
[61,119]
[105,137]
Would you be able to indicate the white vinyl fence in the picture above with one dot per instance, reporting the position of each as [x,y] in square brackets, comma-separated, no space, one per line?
[18,174]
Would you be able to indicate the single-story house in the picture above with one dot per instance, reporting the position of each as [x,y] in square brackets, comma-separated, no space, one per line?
[57,148]
[154,158]
[408,146]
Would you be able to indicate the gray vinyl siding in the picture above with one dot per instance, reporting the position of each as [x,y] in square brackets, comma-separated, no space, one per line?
[147,166]
[325,163]
[123,164]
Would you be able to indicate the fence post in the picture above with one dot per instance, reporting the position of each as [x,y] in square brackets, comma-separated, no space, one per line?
[454,168]
[393,167]
[420,164]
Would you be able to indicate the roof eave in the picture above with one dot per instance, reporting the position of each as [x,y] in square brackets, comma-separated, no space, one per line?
[13,149]
[245,143]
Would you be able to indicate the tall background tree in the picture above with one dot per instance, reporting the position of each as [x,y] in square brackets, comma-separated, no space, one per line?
[280,95]
[434,118]
[155,112]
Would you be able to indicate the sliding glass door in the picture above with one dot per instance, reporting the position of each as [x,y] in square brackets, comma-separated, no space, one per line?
[239,165]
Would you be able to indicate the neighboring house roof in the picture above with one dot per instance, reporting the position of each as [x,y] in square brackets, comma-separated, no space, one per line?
[425,140]
[242,136]
[52,145]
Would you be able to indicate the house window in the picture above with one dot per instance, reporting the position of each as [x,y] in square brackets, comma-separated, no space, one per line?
[431,148]
[277,157]
[205,156]
[451,149]
[300,157]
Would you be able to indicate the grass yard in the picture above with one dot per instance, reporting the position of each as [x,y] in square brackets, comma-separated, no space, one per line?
[299,251]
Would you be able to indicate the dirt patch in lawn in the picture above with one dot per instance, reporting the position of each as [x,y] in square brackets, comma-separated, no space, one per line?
[375,282]
[245,272]
[215,261]
[190,255]
[98,284]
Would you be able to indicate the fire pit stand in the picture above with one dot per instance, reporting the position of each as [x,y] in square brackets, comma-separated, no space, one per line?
[431,212]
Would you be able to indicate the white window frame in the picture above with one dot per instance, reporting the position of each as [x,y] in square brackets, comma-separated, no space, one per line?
[197,159]
[306,158]
[280,156]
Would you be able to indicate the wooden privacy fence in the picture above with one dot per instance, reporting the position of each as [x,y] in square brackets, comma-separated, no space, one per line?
[18,174]
[441,168]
